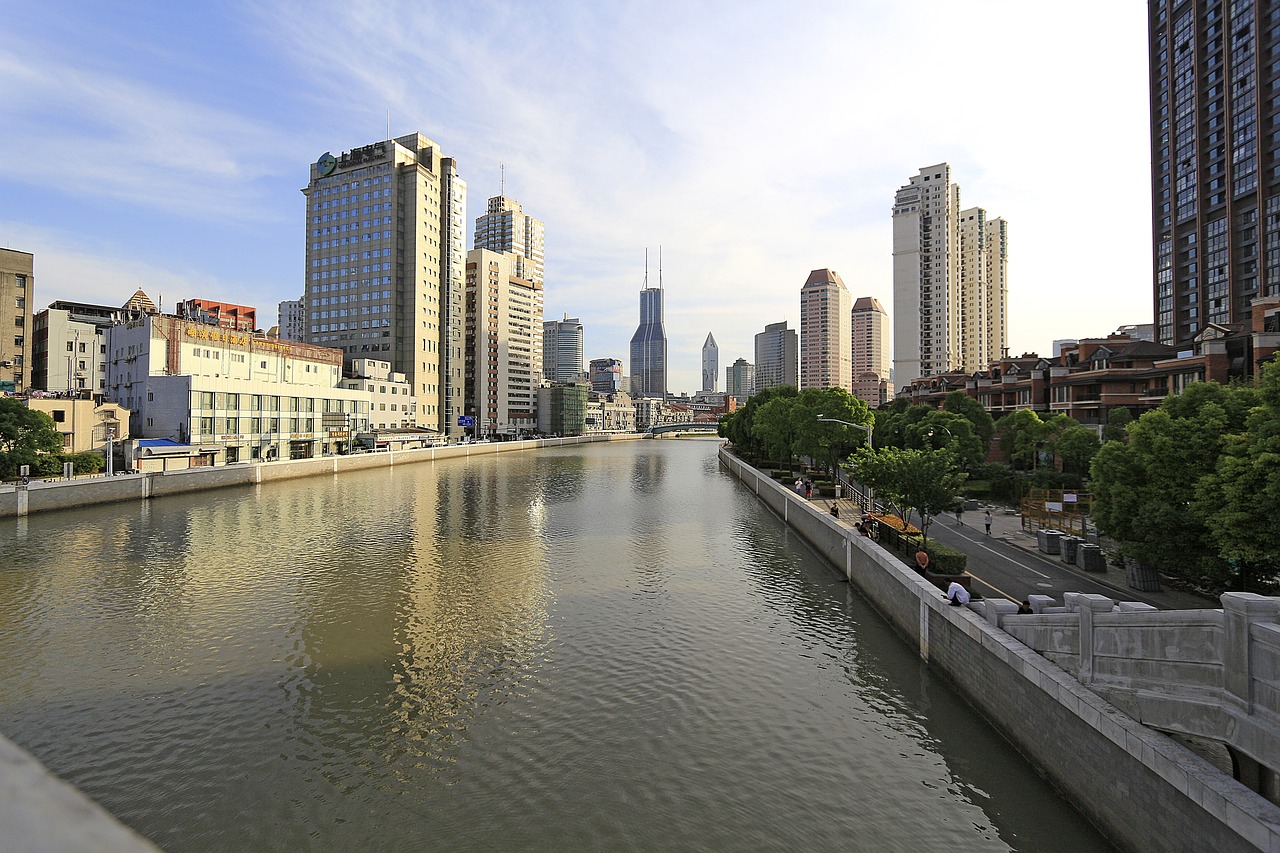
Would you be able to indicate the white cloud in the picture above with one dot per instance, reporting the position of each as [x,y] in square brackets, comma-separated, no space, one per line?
[754,143]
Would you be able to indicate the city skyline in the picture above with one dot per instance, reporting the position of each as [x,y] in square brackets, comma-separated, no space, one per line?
[172,149]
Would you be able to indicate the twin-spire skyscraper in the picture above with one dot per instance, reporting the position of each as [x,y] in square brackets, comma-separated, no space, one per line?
[649,343]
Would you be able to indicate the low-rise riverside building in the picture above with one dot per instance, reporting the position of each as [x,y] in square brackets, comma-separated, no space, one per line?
[391,403]
[562,408]
[258,398]
[86,424]
[1091,377]
[609,413]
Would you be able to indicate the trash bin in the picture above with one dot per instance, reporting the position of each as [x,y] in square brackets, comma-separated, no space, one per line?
[1141,577]
[1069,546]
[838,491]
[1090,557]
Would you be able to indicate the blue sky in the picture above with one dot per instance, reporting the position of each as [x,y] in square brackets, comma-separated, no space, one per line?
[163,146]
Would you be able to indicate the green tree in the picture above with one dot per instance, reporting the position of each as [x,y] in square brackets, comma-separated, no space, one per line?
[1075,448]
[1241,496]
[27,437]
[960,403]
[26,429]
[824,440]
[739,427]
[1151,492]
[914,482]
[1117,427]
[774,427]
[1021,434]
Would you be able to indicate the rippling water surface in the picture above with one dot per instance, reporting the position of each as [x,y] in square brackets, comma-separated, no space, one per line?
[612,647]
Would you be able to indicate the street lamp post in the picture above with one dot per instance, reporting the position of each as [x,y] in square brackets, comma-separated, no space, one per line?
[111,449]
[867,429]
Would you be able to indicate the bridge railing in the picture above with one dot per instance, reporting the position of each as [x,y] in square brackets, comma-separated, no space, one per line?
[1210,673]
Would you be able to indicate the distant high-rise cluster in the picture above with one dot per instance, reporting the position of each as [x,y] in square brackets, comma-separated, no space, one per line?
[871,359]
[740,380]
[950,280]
[825,342]
[777,357]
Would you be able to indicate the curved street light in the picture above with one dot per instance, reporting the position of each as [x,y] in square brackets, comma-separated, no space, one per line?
[932,427]
[863,427]
[867,429]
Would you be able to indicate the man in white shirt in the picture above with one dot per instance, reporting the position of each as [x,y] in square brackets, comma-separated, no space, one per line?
[957,595]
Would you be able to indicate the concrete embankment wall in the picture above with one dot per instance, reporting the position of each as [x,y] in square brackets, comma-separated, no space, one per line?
[67,494]
[1144,791]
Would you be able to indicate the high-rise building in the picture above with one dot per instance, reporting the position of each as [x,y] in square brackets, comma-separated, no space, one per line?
[504,344]
[777,349]
[17,295]
[606,375]
[950,280]
[505,228]
[740,380]
[710,364]
[649,343]
[292,320]
[825,336]
[562,350]
[386,264]
[1215,178]
[871,359]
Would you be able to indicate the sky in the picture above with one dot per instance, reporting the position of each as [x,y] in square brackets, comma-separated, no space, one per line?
[163,145]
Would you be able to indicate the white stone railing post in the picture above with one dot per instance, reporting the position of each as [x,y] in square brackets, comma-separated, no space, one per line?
[1089,604]
[1239,611]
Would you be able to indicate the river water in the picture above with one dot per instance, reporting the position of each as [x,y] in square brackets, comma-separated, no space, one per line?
[603,647]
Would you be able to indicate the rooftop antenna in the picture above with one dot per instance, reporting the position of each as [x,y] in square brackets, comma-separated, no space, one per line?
[646,268]
[659,267]
[502,179]
[388,123]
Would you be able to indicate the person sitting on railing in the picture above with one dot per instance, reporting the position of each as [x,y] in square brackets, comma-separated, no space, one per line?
[957,595]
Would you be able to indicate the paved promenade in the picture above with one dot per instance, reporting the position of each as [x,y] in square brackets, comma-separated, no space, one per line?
[1009,542]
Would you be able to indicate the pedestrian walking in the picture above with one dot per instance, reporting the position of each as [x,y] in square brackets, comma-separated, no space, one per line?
[808,489]
[986,519]
[799,486]
[959,512]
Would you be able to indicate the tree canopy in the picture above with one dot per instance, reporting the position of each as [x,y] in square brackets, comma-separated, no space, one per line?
[919,482]
[1156,493]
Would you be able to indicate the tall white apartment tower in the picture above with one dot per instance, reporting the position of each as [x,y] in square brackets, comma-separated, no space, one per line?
[292,320]
[710,364]
[505,228]
[503,344]
[870,346]
[826,358]
[386,265]
[950,280]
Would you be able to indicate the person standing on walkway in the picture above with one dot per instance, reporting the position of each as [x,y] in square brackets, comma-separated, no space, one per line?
[808,490]
[959,512]
[986,519]
[922,560]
